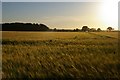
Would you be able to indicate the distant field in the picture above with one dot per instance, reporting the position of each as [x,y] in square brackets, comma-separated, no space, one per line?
[60,55]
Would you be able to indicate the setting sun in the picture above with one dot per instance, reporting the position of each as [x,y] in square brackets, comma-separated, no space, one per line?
[109,13]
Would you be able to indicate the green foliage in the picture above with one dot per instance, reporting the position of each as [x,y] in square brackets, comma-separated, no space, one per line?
[60,55]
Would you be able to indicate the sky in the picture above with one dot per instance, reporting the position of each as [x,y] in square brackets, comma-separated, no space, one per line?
[52,0]
[119,16]
[61,15]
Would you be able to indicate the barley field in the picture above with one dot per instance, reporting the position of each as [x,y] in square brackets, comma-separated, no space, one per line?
[60,55]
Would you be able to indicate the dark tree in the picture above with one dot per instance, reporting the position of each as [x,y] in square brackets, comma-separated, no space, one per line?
[109,28]
[99,30]
[85,28]
[44,27]
[54,29]
[76,30]
[24,27]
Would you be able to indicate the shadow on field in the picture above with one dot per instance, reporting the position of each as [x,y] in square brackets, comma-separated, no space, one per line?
[57,42]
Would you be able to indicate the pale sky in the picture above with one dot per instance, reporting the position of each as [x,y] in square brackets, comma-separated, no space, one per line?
[67,15]
[52,0]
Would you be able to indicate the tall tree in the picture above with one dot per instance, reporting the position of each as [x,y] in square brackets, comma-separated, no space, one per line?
[109,28]
[85,28]
[99,30]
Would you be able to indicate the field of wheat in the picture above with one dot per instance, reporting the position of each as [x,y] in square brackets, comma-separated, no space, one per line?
[65,55]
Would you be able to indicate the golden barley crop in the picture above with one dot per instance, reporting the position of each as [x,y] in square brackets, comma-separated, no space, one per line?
[60,55]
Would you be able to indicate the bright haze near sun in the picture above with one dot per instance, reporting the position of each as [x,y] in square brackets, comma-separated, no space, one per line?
[63,15]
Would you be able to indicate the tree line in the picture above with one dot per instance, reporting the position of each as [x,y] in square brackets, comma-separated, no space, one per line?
[42,27]
[24,27]
[84,29]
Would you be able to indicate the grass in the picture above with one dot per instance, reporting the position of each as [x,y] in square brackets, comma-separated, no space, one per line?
[60,55]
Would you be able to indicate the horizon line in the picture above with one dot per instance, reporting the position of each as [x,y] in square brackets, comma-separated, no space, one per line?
[61,28]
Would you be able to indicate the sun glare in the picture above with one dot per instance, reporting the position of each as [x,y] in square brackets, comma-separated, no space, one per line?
[109,13]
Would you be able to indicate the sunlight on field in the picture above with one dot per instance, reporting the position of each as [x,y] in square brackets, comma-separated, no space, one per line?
[43,35]
[52,35]
[111,34]
[60,55]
